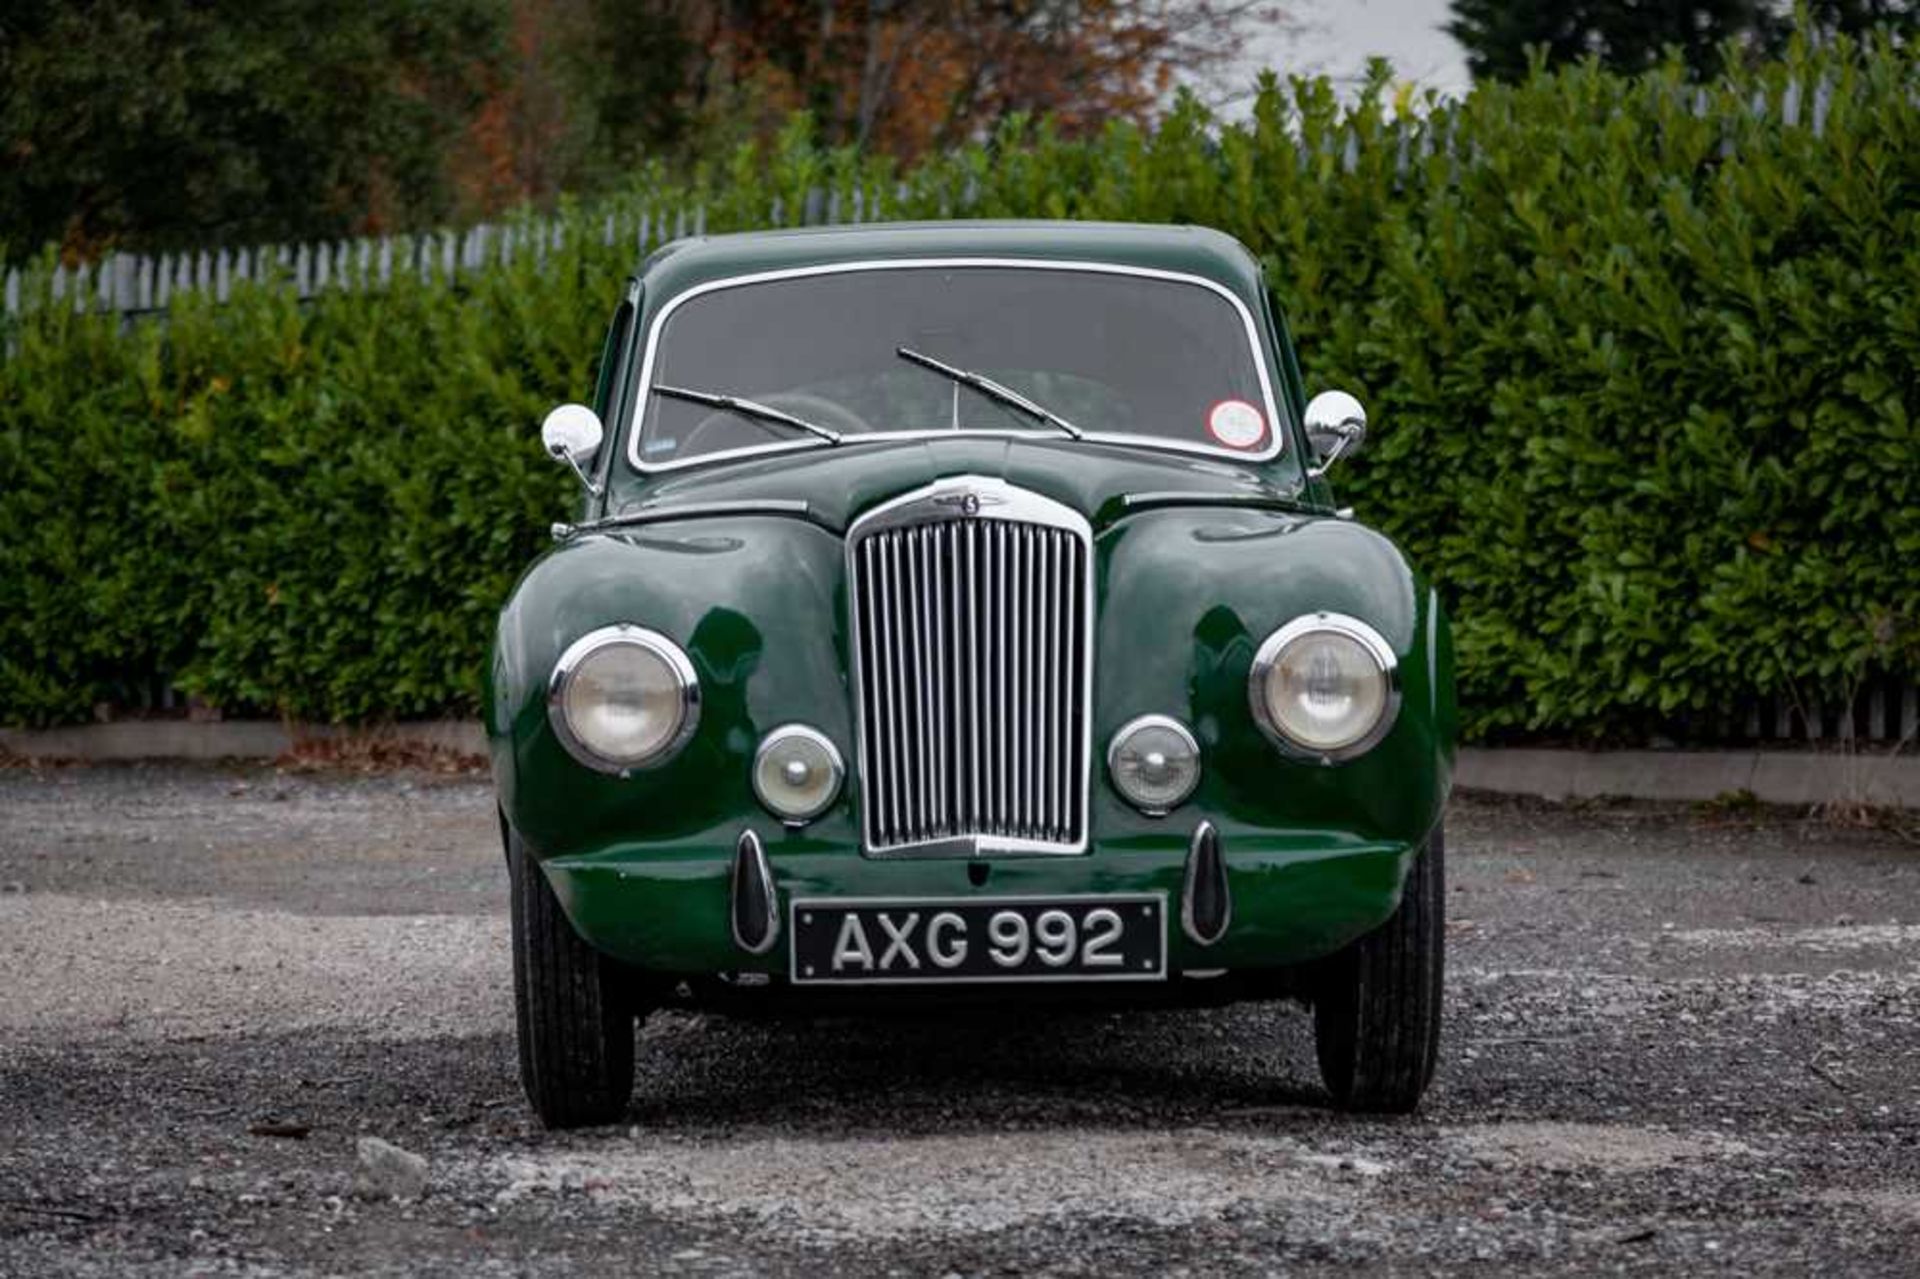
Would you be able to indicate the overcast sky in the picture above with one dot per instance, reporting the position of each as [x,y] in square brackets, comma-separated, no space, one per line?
[1336,37]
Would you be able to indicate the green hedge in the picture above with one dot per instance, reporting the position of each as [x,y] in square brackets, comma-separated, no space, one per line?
[1641,360]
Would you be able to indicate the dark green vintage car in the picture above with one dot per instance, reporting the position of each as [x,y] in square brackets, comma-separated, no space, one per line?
[959,613]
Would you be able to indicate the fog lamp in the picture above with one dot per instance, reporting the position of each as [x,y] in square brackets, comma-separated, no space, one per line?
[1154,763]
[796,773]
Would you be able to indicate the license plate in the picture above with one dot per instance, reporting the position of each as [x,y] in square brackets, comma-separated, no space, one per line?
[876,941]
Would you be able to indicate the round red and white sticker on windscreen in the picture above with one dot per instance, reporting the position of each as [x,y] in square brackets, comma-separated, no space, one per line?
[1236,424]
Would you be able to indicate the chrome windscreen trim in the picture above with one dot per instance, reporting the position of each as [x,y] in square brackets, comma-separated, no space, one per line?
[1276,421]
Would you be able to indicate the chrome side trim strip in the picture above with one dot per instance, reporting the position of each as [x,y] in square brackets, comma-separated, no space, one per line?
[685,511]
[1258,501]
[1275,420]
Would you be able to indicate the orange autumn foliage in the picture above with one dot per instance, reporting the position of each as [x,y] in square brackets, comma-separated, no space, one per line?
[902,77]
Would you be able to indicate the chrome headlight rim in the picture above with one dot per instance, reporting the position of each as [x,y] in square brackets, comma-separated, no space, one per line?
[1268,655]
[806,732]
[669,653]
[1127,730]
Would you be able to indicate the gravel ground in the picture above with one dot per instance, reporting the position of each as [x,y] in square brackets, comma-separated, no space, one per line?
[1676,1042]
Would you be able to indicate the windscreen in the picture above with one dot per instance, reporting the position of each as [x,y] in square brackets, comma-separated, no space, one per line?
[1113,354]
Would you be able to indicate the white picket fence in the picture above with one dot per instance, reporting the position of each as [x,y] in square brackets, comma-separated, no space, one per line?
[134,284]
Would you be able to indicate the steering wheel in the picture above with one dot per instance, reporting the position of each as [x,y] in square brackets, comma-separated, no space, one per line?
[814,408]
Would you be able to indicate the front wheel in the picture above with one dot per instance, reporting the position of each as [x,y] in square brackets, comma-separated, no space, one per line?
[1376,1011]
[575,1019]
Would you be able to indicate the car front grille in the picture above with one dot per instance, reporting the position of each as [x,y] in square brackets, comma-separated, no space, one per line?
[973,677]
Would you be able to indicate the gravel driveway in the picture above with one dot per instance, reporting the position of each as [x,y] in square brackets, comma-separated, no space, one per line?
[1675,1042]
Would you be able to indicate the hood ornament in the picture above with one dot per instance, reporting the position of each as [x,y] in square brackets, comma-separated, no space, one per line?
[966,502]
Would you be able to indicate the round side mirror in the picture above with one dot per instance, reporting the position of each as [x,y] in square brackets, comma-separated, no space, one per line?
[1336,425]
[572,433]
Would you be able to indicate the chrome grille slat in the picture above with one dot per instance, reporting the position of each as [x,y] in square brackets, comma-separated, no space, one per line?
[914,685]
[929,666]
[1049,682]
[1019,703]
[1029,705]
[895,703]
[970,674]
[1079,634]
[1002,710]
[1036,717]
[875,642]
[939,586]
[1076,644]
[972,687]
[1016,668]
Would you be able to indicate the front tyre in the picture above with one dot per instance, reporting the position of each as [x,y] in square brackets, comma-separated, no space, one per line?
[1376,1011]
[575,1021]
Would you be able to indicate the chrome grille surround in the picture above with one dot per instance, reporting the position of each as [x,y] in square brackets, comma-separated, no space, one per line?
[971,609]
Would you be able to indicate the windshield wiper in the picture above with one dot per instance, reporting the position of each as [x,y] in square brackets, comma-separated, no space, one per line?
[992,390]
[748,408]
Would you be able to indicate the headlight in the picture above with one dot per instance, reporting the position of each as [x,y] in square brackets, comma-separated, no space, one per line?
[1155,763]
[796,773]
[1324,685]
[623,697]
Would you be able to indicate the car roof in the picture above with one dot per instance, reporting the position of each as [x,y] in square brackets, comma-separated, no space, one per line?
[1186,250]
